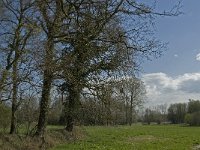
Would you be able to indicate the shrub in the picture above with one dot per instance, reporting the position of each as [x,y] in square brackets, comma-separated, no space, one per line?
[193,119]
[188,119]
[5,116]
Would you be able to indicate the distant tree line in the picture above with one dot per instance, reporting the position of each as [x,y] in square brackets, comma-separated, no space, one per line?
[176,113]
[156,114]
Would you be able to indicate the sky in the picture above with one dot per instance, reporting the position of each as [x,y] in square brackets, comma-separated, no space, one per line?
[175,76]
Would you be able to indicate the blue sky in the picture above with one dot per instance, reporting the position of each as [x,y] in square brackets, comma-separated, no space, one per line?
[175,77]
[183,35]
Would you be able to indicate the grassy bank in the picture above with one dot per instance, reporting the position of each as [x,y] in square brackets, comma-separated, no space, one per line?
[137,137]
[55,135]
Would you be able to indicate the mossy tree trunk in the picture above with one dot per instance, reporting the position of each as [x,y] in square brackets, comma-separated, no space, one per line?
[47,81]
[73,100]
[14,97]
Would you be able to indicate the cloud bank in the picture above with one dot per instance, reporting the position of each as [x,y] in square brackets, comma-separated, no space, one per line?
[161,88]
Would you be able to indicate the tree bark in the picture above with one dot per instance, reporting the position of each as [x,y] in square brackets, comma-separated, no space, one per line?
[44,104]
[131,110]
[14,98]
[74,97]
[47,81]
[126,107]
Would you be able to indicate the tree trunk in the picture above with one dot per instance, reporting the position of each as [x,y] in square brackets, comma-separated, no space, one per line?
[44,104]
[108,111]
[47,81]
[131,110]
[74,96]
[14,98]
[126,107]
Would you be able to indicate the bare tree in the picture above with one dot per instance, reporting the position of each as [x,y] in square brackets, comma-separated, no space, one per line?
[132,92]
[137,97]
[15,35]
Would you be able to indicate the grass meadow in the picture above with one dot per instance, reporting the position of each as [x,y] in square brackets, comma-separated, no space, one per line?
[136,137]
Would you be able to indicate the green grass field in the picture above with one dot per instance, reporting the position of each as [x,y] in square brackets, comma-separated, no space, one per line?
[136,137]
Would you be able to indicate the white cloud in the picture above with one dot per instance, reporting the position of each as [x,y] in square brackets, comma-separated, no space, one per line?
[198,57]
[162,88]
[175,55]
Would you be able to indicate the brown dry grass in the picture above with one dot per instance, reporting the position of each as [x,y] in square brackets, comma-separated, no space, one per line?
[52,137]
